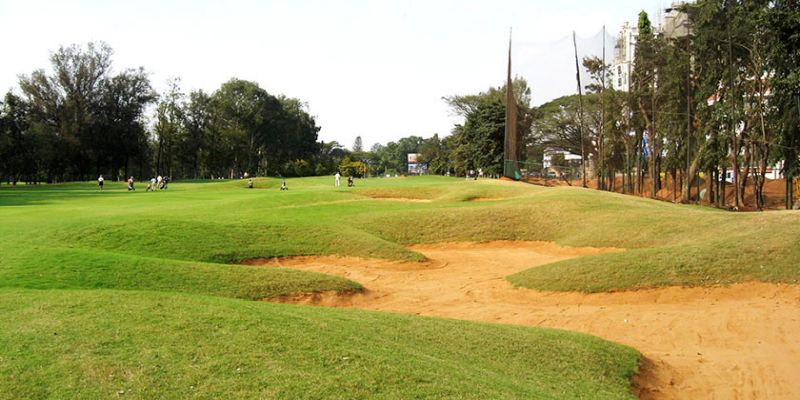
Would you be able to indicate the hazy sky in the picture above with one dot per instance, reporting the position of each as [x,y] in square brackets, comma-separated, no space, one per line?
[377,69]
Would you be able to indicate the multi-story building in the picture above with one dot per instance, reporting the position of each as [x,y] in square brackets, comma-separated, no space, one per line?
[623,57]
[674,24]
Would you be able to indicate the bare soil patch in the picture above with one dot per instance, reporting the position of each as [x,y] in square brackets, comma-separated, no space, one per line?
[405,199]
[485,199]
[774,191]
[735,342]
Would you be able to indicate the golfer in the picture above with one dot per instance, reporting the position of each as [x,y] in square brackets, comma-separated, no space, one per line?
[100,181]
[336,177]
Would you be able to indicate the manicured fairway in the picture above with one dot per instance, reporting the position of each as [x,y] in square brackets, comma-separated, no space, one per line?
[137,294]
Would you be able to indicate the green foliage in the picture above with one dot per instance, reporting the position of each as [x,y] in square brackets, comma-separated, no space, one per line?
[79,120]
[82,121]
[143,345]
[479,142]
[782,23]
[557,124]
[358,145]
[352,168]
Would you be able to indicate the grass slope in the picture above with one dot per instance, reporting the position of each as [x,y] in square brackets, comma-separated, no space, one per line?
[141,345]
[201,225]
[667,244]
[138,295]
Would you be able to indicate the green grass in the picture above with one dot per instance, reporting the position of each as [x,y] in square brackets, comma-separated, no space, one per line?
[143,345]
[199,226]
[140,295]
[142,292]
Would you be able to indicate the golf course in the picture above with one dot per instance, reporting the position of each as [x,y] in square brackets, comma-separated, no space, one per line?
[432,287]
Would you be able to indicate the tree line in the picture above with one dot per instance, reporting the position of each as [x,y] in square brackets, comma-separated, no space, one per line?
[475,144]
[81,120]
[722,102]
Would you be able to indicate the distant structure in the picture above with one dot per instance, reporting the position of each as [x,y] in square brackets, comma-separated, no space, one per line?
[674,25]
[623,57]
[676,22]
[550,153]
[511,145]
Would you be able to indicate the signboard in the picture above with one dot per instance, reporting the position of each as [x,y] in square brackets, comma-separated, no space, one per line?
[412,158]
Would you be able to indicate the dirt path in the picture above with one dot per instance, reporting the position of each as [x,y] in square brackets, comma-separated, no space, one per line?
[737,342]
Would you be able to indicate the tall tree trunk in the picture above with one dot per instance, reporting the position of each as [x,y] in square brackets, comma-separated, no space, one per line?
[724,190]
[692,171]
[637,186]
[674,185]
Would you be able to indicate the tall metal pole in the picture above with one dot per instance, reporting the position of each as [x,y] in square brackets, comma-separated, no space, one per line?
[580,107]
[511,158]
[789,169]
[600,177]
[732,117]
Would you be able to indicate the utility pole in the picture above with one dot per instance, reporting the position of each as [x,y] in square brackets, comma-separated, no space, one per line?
[689,138]
[788,167]
[580,108]
[600,177]
[732,117]
[689,126]
[511,147]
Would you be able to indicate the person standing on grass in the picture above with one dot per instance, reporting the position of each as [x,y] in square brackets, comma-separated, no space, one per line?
[100,181]
[336,178]
[283,185]
[250,183]
[152,185]
[130,184]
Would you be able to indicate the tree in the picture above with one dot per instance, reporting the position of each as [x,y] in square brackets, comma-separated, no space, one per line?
[168,128]
[479,142]
[120,125]
[358,146]
[349,167]
[197,150]
[782,53]
[556,125]
[647,62]
[64,104]
[434,153]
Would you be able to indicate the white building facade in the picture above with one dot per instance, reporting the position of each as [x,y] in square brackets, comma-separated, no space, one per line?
[623,57]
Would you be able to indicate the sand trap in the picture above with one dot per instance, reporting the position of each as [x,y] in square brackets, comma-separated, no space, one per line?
[736,342]
[483,199]
[406,199]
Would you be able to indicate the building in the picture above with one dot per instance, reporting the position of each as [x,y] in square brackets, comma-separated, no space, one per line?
[675,23]
[565,156]
[623,57]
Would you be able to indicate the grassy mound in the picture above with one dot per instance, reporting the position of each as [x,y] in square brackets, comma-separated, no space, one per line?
[137,295]
[667,244]
[143,345]
[201,225]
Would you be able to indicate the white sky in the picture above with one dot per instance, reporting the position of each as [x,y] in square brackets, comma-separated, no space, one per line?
[377,69]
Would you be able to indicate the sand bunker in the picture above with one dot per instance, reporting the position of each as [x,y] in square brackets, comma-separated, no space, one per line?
[405,199]
[483,199]
[736,342]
